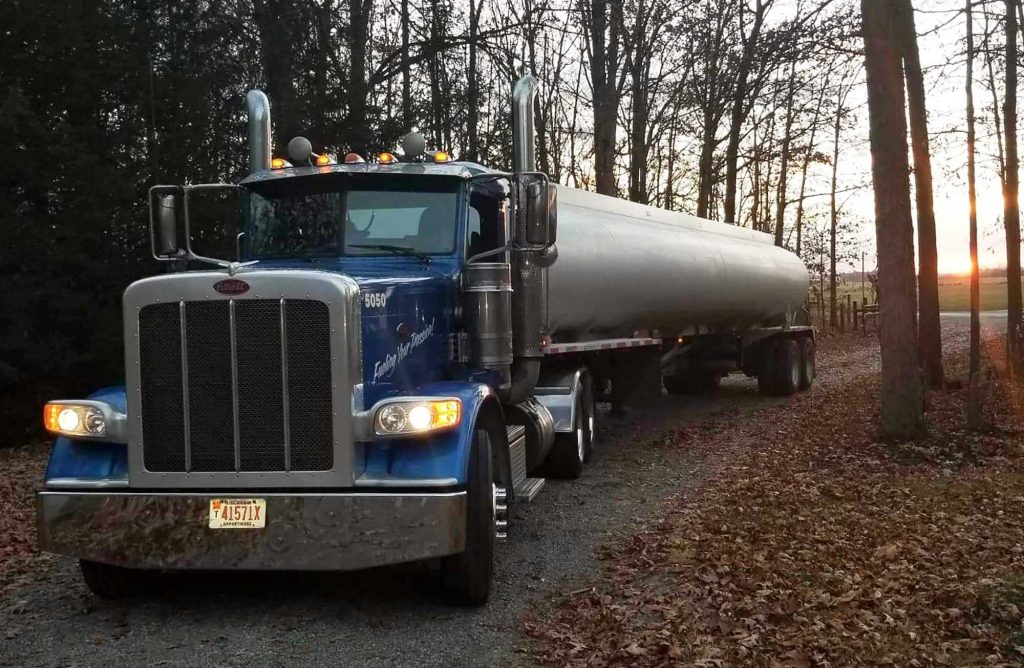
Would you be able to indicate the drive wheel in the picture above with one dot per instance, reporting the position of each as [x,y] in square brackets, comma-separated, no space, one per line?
[113,582]
[589,417]
[466,577]
[807,368]
[787,367]
[565,461]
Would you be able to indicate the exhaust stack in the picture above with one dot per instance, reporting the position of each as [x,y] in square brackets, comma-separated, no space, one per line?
[524,132]
[257,108]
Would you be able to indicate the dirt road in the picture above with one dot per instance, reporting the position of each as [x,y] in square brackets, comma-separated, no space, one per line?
[387,617]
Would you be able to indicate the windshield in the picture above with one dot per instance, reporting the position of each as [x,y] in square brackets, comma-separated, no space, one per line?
[331,216]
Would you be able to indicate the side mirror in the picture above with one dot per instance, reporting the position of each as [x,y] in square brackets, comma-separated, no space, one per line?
[167,226]
[539,210]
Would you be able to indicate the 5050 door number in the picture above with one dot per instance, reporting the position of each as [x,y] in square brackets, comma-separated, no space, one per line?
[375,299]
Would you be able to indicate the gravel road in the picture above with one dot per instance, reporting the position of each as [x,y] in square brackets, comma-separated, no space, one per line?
[384,617]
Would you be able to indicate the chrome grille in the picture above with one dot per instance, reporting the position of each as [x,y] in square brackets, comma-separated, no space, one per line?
[236,385]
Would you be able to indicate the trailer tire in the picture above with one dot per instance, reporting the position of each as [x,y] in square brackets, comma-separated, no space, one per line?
[787,367]
[466,576]
[114,582]
[807,364]
[767,382]
[571,449]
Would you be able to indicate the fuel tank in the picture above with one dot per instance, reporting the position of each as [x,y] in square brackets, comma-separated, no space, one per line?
[624,267]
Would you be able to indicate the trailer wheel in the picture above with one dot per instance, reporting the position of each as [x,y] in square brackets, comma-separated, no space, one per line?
[565,461]
[766,369]
[466,577]
[113,582]
[807,368]
[787,367]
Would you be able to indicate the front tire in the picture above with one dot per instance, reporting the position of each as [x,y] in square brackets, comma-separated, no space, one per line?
[466,577]
[114,582]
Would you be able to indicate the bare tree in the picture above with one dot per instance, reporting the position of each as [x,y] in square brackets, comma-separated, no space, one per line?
[974,412]
[1011,192]
[901,391]
[602,25]
[930,333]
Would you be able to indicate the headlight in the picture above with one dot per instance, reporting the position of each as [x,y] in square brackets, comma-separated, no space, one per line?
[414,416]
[80,419]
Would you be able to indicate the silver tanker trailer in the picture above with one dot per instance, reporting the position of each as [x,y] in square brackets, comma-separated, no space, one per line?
[400,346]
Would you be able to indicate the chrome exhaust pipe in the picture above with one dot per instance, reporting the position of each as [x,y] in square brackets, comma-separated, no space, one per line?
[257,107]
[524,132]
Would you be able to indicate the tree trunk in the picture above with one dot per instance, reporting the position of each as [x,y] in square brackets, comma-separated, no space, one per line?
[974,400]
[901,389]
[603,31]
[473,86]
[739,110]
[807,163]
[407,120]
[358,36]
[930,332]
[787,136]
[272,19]
[834,212]
[1011,192]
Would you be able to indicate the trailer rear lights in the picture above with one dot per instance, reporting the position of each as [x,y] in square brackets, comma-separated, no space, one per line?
[442,156]
[72,420]
[416,417]
[387,158]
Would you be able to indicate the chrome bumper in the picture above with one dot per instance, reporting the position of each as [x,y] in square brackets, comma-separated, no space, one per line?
[303,531]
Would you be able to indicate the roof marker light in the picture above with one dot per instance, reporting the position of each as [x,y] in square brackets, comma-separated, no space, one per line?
[278,163]
[322,160]
[442,156]
[353,158]
[387,158]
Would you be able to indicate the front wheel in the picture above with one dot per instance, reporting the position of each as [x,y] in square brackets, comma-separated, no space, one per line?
[113,582]
[466,577]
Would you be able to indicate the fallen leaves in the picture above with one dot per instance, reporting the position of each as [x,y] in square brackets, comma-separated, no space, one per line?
[21,473]
[809,544]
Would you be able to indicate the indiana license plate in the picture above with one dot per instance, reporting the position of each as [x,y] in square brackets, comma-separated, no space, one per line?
[238,513]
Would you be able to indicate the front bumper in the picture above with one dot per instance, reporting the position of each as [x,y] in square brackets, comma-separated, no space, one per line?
[310,531]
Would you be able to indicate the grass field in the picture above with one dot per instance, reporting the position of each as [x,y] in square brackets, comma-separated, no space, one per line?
[954,293]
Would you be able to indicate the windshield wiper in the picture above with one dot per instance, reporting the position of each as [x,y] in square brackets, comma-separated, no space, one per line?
[399,250]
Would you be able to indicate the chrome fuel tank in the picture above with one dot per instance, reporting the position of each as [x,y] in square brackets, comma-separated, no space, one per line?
[624,267]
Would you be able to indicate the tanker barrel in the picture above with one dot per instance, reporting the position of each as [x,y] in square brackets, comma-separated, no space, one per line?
[257,108]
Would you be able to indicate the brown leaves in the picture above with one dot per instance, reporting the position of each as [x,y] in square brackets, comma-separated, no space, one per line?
[808,544]
[21,472]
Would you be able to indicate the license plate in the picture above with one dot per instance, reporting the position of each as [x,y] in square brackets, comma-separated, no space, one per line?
[238,513]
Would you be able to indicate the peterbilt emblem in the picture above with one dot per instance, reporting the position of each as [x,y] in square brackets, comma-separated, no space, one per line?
[231,286]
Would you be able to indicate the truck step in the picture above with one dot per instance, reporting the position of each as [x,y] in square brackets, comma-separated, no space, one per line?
[529,488]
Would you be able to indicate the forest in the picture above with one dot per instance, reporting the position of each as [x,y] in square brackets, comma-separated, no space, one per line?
[746,111]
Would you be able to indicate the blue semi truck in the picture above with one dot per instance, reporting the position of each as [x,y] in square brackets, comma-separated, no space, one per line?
[398,350]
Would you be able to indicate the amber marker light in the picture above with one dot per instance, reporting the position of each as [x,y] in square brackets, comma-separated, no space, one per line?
[278,163]
[387,158]
[322,160]
[442,156]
